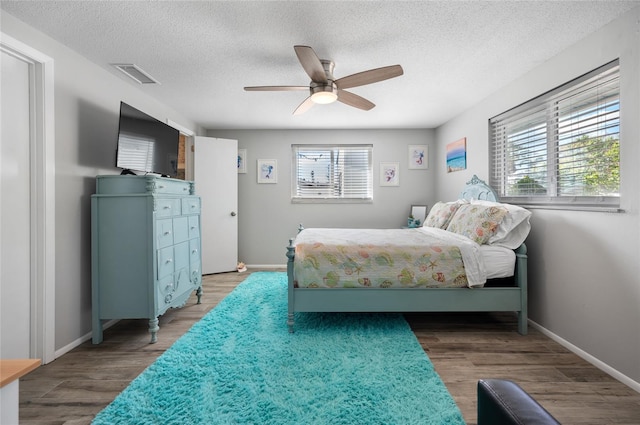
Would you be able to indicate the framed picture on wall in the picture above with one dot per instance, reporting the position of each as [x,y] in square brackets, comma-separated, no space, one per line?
[267,171]
[389,174]
[457,155]
[242,161]
[418,157]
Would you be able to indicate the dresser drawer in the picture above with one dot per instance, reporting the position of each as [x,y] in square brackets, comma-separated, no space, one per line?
[194,226]
[143,185]
[165,261]
[175,187]
[191,205]
[164,233]
[168,207]
[194,250]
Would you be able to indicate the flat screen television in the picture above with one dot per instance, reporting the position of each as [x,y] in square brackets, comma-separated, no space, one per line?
[146,144]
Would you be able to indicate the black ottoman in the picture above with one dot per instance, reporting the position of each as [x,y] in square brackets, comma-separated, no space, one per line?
[502,402]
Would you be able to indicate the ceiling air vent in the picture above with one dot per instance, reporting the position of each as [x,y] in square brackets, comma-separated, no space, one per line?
[135,72]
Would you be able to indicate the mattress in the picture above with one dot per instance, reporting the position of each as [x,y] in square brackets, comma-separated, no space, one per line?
[498,261]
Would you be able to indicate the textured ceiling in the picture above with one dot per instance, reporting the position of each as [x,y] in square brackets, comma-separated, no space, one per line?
[454,53]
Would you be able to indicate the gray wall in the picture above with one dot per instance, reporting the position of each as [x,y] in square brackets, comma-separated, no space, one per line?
[87,103]
[266,216]
[584,268]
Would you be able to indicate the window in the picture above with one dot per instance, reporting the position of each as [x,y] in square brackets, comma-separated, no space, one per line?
[332,173]
[561,148]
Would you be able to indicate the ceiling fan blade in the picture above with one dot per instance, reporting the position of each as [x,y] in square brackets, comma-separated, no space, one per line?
[311,64]
[369,77]
[304,106]
[276,88]
[354,100]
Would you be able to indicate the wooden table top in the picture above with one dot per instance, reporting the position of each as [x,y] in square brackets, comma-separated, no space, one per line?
[12,369]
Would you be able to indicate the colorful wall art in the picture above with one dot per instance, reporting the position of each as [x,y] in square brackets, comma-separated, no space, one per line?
[457,155]
[418,157]
[389,174]
[267,171]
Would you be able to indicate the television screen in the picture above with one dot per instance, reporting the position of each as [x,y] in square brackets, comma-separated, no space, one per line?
[146,144]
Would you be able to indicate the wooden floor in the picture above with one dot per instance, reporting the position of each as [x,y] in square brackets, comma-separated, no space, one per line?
[463,348]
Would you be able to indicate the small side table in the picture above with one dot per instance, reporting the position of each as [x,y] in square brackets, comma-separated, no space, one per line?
[11,370]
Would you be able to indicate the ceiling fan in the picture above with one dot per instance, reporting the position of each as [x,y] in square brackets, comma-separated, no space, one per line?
[324,88]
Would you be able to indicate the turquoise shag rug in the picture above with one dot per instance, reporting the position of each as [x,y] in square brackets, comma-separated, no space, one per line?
[240,365]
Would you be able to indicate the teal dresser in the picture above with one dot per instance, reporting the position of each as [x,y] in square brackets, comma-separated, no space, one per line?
[145,248]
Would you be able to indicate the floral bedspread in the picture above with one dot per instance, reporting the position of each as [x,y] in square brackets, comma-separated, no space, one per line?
[386,258]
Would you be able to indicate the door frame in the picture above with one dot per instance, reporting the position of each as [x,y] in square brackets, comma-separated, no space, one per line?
[42,214]
[188,147]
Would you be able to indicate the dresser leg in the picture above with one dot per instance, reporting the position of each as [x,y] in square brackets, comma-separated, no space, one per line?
[96,330]
[199,294]
[153,330]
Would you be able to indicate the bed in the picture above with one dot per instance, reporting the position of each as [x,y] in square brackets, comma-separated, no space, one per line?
[439,267]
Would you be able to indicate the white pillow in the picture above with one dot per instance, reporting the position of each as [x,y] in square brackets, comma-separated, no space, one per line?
[513,229]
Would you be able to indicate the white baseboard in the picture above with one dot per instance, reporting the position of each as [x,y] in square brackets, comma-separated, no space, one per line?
[266,266]
[86,337]
[588,357]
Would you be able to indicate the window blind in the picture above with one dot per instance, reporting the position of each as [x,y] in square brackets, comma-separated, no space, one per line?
[332,173]
[562,147]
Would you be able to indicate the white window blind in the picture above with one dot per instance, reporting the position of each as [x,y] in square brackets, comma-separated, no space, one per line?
[561,148]
[332,173]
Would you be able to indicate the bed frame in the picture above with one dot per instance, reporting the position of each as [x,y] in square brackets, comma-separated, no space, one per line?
[488,299]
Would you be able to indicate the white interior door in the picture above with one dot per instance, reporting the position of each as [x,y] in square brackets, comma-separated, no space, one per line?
[216,178]
[15,216]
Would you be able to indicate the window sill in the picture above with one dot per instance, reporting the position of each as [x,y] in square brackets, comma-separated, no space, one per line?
[330,201]
[594,208]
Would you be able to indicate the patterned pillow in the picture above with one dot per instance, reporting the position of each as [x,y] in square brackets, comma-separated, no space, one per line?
[477,222]
[515,227]
[440,214]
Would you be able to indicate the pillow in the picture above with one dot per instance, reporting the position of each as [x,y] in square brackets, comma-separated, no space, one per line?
[440,214]
[514,228]
[477,222]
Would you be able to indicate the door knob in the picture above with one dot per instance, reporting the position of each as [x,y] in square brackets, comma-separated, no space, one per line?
[233,213]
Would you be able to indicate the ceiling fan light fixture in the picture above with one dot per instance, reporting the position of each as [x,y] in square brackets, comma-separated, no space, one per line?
[325,89]
[324,97]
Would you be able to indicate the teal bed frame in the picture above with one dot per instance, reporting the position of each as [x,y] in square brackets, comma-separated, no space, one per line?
[487,299]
